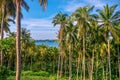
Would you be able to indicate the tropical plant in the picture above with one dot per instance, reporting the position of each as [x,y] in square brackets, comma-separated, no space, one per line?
[83,16]
[109,18]
[60,19]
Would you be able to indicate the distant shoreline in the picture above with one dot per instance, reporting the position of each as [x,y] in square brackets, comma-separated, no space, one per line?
[47,40]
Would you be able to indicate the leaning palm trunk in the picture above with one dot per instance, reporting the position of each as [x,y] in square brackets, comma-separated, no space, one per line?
[18,51]
[2,25]
[109,59]
[118,61]
[83,57]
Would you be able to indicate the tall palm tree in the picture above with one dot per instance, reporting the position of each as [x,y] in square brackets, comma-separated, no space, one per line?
[18,4]
[25,40]
[61,20]
[70,40]
[109,18]
[83,15]
[7,10]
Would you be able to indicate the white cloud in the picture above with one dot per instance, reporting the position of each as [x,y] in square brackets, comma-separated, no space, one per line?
[97,3]
[72,5]
[39,28]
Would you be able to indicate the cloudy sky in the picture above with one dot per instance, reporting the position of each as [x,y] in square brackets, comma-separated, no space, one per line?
[39,22]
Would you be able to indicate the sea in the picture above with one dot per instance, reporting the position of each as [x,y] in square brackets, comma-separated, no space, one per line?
[51,43]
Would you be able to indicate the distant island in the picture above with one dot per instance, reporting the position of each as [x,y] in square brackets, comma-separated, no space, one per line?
[51,43]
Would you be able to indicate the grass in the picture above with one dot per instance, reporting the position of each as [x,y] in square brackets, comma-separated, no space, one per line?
[29,78]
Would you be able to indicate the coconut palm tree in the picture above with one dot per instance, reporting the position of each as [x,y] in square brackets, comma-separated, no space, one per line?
[25,40]
[7,10]
[61,20]
[70,40]
[83,15]
[18,4]
[109,18]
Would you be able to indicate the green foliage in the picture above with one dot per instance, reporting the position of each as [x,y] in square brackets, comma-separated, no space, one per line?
[12,73]
[4,73]
[29,78]
[31,73]
[36,67]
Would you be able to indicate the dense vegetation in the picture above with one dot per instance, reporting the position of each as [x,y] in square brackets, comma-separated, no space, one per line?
[90,42]
[89,46]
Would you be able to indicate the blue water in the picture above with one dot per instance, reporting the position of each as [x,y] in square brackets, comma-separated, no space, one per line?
[50,43]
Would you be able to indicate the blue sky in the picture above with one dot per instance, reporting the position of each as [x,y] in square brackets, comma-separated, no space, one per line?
[39,22]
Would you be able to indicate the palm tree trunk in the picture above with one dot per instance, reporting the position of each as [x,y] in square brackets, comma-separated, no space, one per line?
[109,58]
[78,65]
[70,62]
[118,61]
[18,50]
[2,25]
[92,63]
[65,67]
[84,57]
[96,70]
[103,70]
[106,77]
[58,67]
[61,66]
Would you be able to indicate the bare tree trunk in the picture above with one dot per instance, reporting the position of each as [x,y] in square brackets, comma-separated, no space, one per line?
[58,67]
[118,61]
[109,59]
[18,50]
[2,26]
[83,57]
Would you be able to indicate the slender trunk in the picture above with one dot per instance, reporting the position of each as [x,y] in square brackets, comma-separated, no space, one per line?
[106,78]
[92,63]
[2,26]
[84,57]
[103,71]
[58,67]
[18,50]
[118,61]
[78,65]
[65,66]
[109,59]
[96,71]
[70,62]
[81,70]
[61,66]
